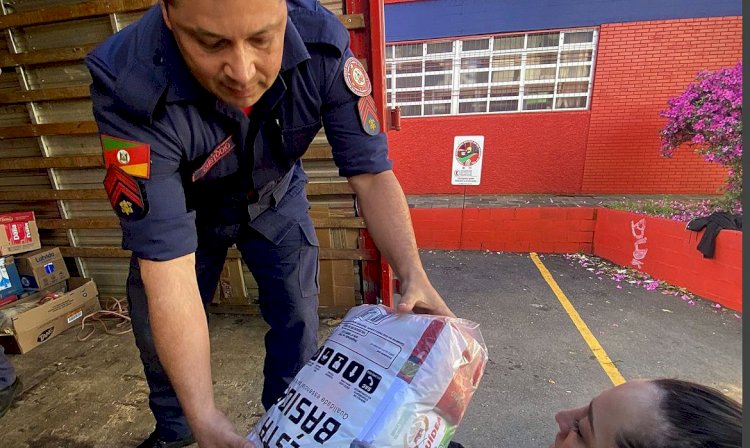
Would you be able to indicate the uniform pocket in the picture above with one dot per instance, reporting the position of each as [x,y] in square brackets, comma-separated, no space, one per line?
[296,140]
[309,268]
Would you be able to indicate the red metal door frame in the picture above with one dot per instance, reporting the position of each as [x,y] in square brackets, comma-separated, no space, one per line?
[368,45]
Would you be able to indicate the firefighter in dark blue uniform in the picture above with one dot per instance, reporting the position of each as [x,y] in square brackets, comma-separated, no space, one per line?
[204,109]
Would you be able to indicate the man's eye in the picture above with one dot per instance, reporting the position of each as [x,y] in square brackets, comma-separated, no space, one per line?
[211,45]
[261,42]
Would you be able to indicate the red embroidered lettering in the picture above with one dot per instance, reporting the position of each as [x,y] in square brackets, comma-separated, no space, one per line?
[217,154]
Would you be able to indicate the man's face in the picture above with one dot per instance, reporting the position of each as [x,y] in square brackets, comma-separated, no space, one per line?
[232,47]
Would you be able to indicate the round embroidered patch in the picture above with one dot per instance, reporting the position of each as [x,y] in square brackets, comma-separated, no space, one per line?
[356,77]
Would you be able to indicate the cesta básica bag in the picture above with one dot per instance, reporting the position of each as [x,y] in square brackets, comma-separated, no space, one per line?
[381,380]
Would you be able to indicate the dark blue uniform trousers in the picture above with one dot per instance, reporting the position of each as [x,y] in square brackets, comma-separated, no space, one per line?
[7,372]
[287,277]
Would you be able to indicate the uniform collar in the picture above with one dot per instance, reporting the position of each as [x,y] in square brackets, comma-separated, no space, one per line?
[295,50]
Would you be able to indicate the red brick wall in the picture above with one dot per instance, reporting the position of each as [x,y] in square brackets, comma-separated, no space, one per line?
[613,148]
[638,67]
[671,254]
[523,153]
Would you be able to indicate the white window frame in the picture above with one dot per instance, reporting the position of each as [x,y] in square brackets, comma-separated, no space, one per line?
[457,71]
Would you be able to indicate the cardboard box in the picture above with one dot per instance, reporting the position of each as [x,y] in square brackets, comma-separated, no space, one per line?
[10,283]
[37,325]
[231,288]
[18,233]
[41,269]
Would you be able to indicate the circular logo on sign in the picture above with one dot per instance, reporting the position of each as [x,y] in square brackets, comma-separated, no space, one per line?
[356,77]
[123,157]
[468,153]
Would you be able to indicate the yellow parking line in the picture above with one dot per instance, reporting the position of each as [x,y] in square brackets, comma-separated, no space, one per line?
[609,367]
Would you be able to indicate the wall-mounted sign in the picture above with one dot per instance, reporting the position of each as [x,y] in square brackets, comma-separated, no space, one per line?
[468,152]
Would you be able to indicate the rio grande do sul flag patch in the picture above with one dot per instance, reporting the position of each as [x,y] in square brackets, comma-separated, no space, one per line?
[130,156]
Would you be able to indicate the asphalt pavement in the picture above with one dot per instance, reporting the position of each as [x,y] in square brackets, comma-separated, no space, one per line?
[539,362]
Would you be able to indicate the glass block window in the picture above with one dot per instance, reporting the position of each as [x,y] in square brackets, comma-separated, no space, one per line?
[531,72]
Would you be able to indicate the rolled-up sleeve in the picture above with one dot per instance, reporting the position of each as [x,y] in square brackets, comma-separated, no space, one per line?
[354,151]
[167,230]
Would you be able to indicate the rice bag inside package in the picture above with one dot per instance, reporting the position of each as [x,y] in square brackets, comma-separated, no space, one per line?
[381,380]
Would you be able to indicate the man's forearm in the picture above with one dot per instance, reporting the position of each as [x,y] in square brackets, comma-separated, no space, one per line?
[178,324]
[387,216]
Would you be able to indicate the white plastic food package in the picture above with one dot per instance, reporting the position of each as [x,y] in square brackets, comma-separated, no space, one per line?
[381,380]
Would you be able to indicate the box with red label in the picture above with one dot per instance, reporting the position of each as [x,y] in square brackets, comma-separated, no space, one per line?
[36,319]
[18,233]
[10,283]
[42,268]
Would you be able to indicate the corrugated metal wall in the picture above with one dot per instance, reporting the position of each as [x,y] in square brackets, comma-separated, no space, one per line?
[50,156]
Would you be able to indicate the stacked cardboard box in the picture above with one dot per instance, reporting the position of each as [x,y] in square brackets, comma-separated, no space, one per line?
[38,299]
[34,320]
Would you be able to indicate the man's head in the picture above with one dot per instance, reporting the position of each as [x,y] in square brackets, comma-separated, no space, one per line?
[232,47]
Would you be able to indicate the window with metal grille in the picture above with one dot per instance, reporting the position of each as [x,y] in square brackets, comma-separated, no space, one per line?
[531,72]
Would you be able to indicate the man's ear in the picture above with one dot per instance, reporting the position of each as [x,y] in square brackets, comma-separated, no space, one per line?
[165,14]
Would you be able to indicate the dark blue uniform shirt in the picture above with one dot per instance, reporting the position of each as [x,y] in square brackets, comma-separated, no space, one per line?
[142,91]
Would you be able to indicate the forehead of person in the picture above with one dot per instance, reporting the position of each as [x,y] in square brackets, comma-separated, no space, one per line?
[631,408]
[232,47]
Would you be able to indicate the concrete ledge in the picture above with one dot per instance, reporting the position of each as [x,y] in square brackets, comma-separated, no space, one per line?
[662,248]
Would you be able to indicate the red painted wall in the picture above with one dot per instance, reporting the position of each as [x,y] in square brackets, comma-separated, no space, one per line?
[668,251]
[524,153]
[638,67]
[551,230]
[671,254]
[613,148]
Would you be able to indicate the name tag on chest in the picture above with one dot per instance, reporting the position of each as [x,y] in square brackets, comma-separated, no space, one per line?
[225,148]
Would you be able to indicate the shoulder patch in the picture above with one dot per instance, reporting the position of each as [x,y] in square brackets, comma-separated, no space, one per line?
[132,157]
[356,77]
[126,194]
[368,115]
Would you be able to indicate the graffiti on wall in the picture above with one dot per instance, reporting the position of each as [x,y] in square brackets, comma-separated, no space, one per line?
[638,229]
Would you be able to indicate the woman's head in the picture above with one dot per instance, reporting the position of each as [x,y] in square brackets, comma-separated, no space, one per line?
[663,413]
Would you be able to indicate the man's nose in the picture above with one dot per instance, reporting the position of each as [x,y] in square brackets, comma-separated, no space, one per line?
[241,66]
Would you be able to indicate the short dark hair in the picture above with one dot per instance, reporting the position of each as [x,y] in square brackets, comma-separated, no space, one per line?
[696,416]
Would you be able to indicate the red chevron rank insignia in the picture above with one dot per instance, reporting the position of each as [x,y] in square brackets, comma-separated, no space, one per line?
[368,115]
[127,196]
[133,157]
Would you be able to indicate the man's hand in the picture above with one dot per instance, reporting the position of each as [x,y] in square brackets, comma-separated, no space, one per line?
[420,297]
[387,216]
[216,431]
